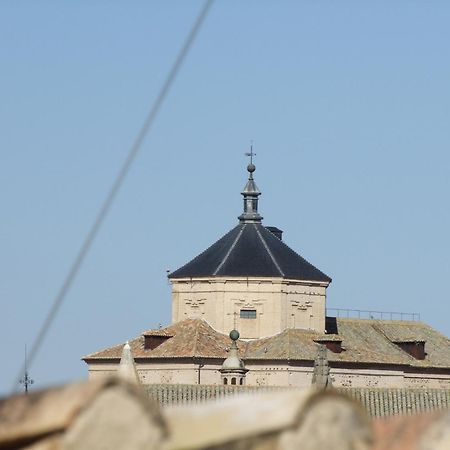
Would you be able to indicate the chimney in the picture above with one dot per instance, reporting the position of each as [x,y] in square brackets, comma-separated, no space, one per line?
[276,232]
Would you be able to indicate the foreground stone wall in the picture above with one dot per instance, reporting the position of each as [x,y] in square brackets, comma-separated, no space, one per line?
[113,414]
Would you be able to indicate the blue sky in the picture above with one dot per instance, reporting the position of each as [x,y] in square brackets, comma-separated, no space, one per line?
[348,105]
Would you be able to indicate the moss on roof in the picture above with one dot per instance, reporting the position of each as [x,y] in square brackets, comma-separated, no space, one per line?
[364,341]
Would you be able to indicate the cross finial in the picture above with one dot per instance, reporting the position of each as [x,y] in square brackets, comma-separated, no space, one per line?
[251,153]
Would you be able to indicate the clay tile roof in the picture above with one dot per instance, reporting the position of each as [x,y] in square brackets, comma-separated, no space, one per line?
[161,332]
[187,339]
[364,341]
[328,338]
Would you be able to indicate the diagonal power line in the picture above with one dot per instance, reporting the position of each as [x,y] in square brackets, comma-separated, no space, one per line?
[117,184]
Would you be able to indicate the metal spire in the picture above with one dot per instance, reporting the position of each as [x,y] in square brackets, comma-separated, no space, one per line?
[251,194]
[26,380]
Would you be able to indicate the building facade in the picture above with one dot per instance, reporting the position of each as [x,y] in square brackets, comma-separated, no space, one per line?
[251,281]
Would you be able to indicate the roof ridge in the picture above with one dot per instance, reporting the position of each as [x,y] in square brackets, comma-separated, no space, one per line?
[233,245]
[297,254]
[194,350]
[244,356]
[289,344]
[401,322]
[268,251]
[203,252]
[118,346]
[390,343]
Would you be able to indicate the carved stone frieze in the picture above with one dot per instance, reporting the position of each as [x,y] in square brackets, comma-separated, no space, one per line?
[195,303]
[301,305]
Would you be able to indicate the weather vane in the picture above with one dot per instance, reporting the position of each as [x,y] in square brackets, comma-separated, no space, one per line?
[251,153]
[26,380]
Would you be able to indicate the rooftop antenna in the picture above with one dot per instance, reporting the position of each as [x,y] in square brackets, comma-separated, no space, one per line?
[251,153]
[26,380]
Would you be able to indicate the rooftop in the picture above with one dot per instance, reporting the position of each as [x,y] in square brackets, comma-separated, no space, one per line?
[363,341]
[251,249]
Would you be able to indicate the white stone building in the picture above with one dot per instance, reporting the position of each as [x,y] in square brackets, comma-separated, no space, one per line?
[250,280]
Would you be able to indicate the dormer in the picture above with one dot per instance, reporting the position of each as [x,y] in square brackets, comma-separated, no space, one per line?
[154,338]
[332,342]
[414,347]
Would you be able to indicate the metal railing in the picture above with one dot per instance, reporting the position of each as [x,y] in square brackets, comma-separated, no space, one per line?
[365,314]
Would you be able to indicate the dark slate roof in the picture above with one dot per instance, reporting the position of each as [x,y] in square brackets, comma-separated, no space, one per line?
[249,249]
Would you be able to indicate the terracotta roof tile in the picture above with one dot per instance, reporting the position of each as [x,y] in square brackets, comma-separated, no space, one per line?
[363,341]
[190,338]
[378,402]
[160,332]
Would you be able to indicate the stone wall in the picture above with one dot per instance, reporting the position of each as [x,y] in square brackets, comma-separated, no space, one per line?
[275,374]
[279,304]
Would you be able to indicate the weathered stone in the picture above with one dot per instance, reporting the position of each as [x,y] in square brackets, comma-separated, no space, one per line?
[101,415]
[115,421]
[288,420]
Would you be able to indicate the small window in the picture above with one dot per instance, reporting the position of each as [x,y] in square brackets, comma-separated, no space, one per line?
[225,381]
[241,382]
[233,381]
[248,313]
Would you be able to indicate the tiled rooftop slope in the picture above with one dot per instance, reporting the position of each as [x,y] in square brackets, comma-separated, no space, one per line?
[390,401]
[365,341]
[377,402]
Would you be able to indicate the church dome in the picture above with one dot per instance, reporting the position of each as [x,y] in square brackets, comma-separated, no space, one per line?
[251,250]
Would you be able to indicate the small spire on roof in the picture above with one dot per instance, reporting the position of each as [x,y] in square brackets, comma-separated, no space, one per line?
[127,367]
[251,194]
[233,368]
[321,374]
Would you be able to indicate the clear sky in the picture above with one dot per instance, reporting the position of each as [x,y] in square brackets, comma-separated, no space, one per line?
[348,105]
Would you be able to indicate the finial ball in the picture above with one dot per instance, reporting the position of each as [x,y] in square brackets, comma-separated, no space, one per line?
[251,168]
[234,335]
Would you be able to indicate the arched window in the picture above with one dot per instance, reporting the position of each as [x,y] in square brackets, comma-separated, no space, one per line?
[225,381]
[241,382]
[233,381]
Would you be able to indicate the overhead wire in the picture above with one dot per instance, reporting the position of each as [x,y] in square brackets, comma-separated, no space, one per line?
[113,191]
